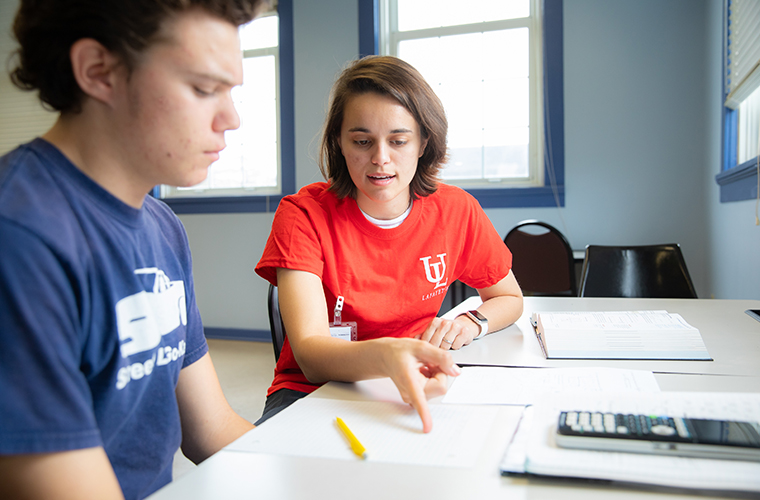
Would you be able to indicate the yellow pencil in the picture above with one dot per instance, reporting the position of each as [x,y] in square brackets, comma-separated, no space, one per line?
[356,446]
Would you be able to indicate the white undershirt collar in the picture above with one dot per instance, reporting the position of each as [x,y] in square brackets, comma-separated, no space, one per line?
[388,224]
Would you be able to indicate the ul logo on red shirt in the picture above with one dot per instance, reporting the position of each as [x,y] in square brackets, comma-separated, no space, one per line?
[436,272]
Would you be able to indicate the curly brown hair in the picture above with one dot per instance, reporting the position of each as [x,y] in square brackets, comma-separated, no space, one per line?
[46,30]
[393,77]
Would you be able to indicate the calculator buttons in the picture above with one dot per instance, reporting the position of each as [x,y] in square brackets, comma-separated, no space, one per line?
[622,424]
[663,430]
[681,428]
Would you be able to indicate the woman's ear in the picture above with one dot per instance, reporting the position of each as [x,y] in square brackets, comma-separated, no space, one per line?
[422,148]
[95,69]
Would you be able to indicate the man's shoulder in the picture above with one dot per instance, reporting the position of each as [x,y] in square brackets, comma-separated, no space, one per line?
[30,194]
[19,165]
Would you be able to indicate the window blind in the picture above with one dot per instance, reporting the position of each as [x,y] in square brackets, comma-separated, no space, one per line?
[742,51]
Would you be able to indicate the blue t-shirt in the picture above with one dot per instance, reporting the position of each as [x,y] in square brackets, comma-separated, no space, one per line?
[97,317]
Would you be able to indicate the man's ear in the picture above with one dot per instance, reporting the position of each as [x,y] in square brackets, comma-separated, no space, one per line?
[95,69]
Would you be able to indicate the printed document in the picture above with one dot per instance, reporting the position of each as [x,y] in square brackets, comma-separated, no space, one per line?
[499,385]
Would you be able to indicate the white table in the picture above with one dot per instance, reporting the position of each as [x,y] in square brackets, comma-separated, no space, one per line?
[239,475]
[732,338]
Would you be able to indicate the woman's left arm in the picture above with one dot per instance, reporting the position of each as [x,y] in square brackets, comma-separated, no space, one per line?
[502,306]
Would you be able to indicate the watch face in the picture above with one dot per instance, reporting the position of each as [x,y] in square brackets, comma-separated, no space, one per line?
[479,316]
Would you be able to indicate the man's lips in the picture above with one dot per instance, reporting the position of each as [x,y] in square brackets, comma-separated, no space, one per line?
[214,153]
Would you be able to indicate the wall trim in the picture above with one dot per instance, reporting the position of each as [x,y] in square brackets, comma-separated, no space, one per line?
[738,183]
[238,334]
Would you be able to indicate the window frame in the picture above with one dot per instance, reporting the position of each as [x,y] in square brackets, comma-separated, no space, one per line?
[737,182]
[552,193]
[261,203]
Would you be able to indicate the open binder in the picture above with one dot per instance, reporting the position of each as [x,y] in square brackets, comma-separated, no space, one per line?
[618,335]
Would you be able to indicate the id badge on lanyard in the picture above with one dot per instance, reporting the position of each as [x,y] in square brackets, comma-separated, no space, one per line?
[339,329]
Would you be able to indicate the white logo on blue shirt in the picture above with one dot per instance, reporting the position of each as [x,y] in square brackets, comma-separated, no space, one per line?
[143,318]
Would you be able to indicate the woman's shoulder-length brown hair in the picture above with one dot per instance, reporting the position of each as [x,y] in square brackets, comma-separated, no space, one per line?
[393,77]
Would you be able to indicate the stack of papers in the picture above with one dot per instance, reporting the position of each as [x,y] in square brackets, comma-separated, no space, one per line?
[534,452]
[499,385]
[618,335]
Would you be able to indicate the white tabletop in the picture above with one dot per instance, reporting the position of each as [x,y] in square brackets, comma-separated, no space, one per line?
[240,475]
[732,338]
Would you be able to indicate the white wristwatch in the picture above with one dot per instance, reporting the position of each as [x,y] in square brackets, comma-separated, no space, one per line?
[479,320]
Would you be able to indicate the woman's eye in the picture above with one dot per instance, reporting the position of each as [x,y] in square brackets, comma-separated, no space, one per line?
[399,142]
[361,142]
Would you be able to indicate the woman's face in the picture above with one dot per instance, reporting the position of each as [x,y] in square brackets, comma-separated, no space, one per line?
[381,143]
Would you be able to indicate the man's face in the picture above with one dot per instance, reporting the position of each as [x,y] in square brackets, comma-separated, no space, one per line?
[176,104]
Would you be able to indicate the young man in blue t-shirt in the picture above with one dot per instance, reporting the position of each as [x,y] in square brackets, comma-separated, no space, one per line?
[104,370]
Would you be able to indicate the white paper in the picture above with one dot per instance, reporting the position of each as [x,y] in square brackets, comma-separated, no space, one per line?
[524,386]
[391,432]
[535,442]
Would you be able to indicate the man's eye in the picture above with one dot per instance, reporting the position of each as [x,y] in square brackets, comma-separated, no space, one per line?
[202,92]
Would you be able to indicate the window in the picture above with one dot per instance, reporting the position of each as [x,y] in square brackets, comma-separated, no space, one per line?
[741,142]
[250,162]
[256,169]
[748,127]
[497,69]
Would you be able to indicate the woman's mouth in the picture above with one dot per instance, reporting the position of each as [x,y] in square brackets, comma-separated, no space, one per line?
[380,179]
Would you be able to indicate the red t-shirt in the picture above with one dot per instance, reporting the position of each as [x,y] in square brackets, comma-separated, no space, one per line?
[393,280]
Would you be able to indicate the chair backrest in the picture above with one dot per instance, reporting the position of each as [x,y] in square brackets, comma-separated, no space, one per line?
[655,271]
[275,321]
[542,259]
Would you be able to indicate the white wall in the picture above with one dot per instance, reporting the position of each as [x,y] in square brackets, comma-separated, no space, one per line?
[635,130]
[21,115]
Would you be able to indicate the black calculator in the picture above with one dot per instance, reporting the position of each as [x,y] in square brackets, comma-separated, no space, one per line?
[690,437]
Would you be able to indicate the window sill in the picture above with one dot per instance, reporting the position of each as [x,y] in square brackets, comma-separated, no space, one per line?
[224,205]
[738,183]
[520,197]
[488,198]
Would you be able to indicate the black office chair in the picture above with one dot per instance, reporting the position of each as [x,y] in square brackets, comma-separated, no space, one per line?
[654,271]
[275,321]
[542,260]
